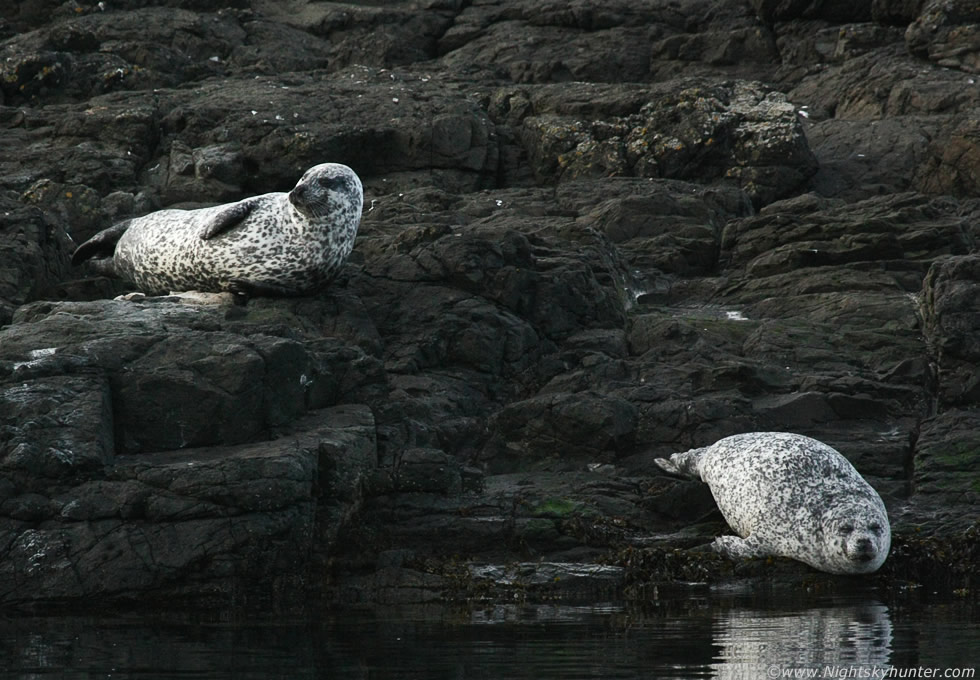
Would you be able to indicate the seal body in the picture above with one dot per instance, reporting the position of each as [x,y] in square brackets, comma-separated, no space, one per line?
[790,496]
[274,244]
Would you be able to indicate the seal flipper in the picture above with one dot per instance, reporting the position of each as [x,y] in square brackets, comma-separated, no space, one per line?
[226,218]
[102,245]
[684,465]
[735,547]
[244,289]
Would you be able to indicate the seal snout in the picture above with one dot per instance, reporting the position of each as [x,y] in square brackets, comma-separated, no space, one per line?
[865,546]
[864,550]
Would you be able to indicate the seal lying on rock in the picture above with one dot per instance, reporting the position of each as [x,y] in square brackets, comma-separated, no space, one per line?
[274,244]
[791,496]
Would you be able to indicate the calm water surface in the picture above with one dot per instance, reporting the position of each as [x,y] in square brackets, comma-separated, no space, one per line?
[690,637]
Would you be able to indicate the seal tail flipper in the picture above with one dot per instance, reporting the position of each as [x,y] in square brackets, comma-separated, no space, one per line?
[102,245]
[244,289]
[684,465]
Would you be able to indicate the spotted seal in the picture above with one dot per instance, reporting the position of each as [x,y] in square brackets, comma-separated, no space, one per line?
[276,244]
[791,496]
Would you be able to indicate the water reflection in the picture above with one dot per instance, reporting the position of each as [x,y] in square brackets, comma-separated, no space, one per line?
[832,640]
[689,637]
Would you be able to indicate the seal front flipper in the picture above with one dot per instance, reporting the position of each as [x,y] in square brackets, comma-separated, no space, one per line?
[102,245]
[735,547]
[227,217]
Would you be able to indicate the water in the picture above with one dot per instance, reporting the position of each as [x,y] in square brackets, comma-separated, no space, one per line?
[689,637]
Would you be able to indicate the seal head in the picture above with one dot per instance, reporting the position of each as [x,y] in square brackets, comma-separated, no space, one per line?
[857,537]
[326,188]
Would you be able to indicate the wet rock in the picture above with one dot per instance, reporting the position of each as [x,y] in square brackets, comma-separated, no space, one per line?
[551,576]
[949,309]
[33,254]
[659,225]
[559,429]
[886,82]
[863,158]
[953,165]
[98,52]
[397,34]
[284,125]
[898,12]
[59,426]
[178,525]
[100,147]
[33,73]
[946,455]
[740,131]
[900,227]
[76,205]
[212,173]
[428,470]
[784,10]
[528,42]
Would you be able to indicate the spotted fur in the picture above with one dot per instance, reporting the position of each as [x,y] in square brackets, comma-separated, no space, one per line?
[274,244]
[791,496]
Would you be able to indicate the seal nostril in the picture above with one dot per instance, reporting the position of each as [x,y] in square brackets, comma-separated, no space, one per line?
[866,549]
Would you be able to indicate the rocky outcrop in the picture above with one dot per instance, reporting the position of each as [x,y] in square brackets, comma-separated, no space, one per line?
[740,131]
[947,33]
[593,235]
[190,526]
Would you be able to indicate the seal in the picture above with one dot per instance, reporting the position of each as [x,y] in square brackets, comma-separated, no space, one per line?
[791,496]
[276,244]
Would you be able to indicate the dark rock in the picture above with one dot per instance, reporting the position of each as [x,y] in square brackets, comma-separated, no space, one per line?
[740,131]
[659,225]
[950,311]
[195,525]
[76,205]
[946,458]
[886,82]
[528,41]
[552,577]
[834,10]
[427,470]
[559,430]
[898,12]
[59,426]
[903,227]
[953,165]
[862,158]
[947,33]
[284,125]
[33,254]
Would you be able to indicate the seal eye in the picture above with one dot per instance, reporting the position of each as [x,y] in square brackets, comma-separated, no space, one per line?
[845,529]
[874,528]
[333,183]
